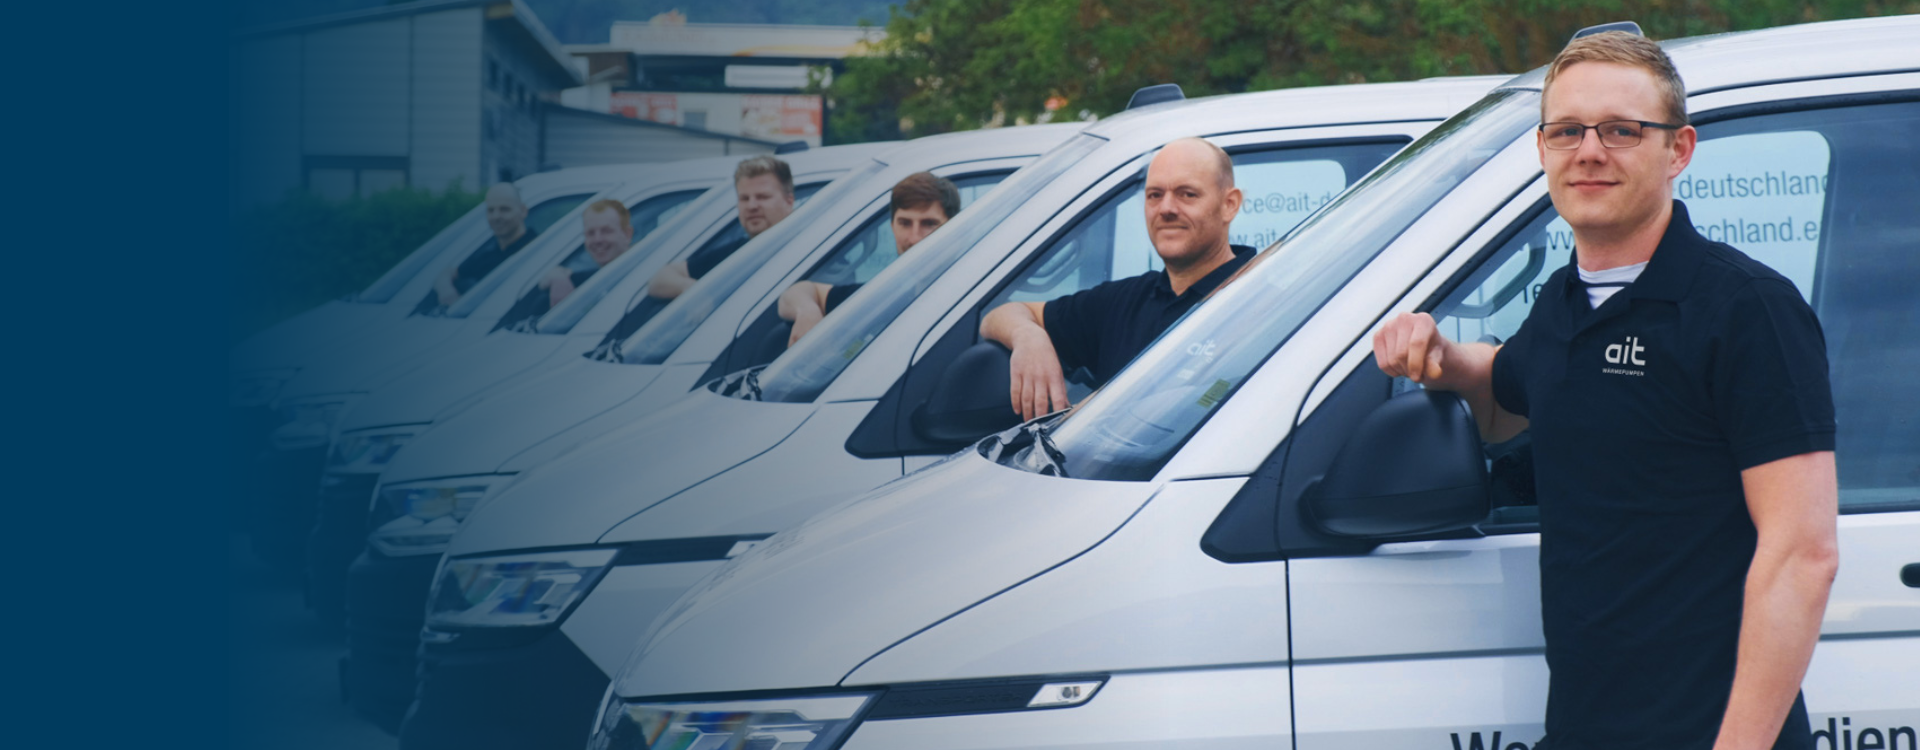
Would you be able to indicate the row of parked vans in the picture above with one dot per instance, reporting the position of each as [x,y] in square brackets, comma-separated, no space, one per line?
[639,525]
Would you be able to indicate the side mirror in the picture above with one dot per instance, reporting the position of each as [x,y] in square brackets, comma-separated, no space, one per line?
[1413,466]
[970,400]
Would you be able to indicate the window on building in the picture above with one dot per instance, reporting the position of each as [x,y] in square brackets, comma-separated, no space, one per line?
[342,177]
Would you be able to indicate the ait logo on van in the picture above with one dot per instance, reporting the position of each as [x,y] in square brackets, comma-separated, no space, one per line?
[1622,354]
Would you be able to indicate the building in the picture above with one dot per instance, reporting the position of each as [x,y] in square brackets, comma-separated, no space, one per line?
[431,93]
[747,80]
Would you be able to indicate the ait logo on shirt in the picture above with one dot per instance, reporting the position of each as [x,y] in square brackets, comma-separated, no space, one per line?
[1626,353]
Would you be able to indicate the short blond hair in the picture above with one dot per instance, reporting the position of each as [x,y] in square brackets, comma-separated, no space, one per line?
[1632,50]
[614,206]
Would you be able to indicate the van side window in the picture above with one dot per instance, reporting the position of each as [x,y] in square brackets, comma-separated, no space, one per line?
[645,217]
[540,218]
[864,255]
[959,376]
[1279,188]
[859,258]
[1825,197]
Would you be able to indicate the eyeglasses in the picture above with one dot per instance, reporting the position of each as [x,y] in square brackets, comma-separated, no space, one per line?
[1566,136]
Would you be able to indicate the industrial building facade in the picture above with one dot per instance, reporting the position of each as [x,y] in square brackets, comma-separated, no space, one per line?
[431,94]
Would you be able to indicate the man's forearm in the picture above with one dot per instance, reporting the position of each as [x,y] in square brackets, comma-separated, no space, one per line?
[1780,623]
[1007,322]
[800,299]
[671,281]
[1468,370]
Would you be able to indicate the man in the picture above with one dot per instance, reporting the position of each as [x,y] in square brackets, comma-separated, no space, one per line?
[1682,433]
[1190,201]
[608,230]
[921,203]
[763,188]
[507,217]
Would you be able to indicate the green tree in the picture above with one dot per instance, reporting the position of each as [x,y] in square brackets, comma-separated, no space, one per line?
[961,64]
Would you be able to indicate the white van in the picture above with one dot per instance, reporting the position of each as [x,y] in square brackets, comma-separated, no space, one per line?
[1172,563]
[893,380]
[524,343]
[265,360]
[311,403]
[260,366]
[459,437]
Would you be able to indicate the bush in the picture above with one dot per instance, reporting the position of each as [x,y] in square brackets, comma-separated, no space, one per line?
[305,250]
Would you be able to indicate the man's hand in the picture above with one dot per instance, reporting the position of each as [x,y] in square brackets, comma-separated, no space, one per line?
[1410,346]
[444,289]
[671,281]
[559,283]
[1038,385]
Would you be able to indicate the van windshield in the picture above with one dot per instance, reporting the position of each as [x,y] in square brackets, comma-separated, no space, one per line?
[1129,429]
[811,364]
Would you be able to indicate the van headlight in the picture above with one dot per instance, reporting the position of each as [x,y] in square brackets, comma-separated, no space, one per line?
[420,518]
[308,422]
[521,590]
[808,722]
[368,451]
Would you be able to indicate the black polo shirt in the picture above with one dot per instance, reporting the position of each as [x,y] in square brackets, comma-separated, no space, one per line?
[706,258]
[487,258]
[1643,413]
[475,267]
[537,302]
[1104,327]
[837,294]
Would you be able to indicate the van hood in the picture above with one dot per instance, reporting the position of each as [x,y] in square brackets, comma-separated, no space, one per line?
[451,375]
[515,416]
[809,605]
[577,497]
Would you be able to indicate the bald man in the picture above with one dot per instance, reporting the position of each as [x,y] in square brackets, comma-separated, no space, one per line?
[1190,201]
[507,217]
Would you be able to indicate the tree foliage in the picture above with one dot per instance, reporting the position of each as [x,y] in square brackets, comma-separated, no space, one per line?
[959,64]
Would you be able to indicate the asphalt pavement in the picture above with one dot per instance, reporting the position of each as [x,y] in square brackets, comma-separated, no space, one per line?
[283,674]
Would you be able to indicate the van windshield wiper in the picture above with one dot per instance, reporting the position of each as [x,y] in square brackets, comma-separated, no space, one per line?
[750,385]
[744,384]
[1028,446]
[1052,461]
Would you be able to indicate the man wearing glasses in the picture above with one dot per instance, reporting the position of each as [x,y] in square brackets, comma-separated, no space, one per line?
[1683,432]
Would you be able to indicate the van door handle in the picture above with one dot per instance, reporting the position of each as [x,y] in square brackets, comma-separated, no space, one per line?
[1910,575]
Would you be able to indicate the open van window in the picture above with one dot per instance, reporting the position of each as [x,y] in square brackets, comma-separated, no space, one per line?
[656,328]
[811,364]
[539,219]
[645,216]
[1129,429]
[856,260]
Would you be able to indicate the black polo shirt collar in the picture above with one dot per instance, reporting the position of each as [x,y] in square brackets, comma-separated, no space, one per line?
[1163,283]
[1668,275]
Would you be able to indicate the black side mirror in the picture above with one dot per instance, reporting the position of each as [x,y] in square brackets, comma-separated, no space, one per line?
[1414,466]
[970,400]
